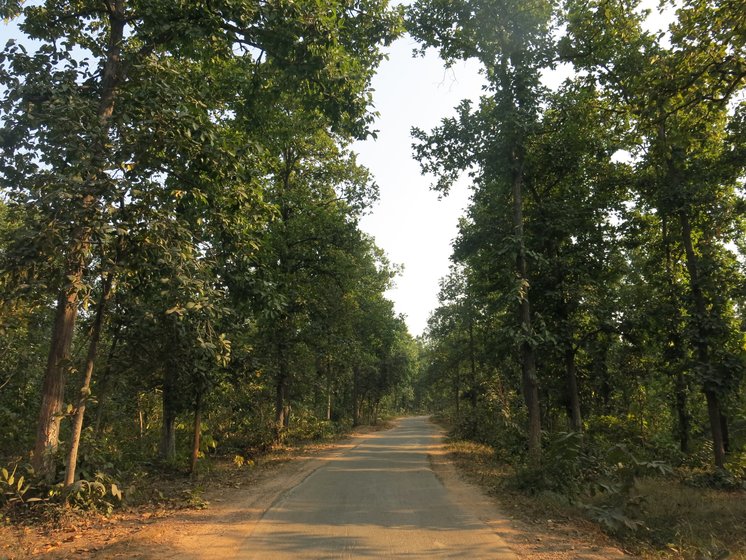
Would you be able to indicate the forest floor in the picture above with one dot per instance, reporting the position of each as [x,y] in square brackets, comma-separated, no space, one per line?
[677,521]
[208,519]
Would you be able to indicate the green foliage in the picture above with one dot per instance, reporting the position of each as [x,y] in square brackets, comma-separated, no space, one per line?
[610,210]
[100,494]
[601,481]
[17,488]
[166,147]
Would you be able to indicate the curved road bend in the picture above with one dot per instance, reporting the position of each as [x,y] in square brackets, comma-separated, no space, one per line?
[379,499]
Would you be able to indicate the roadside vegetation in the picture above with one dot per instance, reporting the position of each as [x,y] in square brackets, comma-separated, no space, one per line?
[659,518]
[592,331]
[183,282]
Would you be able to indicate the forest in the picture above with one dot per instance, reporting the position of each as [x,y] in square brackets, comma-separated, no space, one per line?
[183,275]
[180,251]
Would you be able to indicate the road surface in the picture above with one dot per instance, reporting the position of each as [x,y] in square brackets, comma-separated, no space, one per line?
[380,499]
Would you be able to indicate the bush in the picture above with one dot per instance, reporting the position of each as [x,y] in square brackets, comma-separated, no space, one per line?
[16,488]
[306,427]
[100,494]
[565,469]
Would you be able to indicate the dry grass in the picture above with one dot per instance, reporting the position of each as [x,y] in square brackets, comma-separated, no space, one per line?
[694,522]
[681,522]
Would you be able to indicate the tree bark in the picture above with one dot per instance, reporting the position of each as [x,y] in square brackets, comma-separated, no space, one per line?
[474,396]
[53,389]
[673,356]
[197,433]
[457,395]
[167,448]
[684,419]
[702,341]
[55,375]
[724,430]
[85,389]
[356,397]
[281,385]
[528,358]
[576,419]
[328,391]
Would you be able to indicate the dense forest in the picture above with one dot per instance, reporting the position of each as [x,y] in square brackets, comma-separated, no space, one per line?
[594,318]
[182,269]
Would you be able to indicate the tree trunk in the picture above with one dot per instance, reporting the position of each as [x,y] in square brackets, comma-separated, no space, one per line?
[601,372]
[328,394]
[702,340]
[682,412]
[197,433]
[576,420]
[104,383]
[724,431]
[457,395]
[474,396]
[673,356]
[53,388]
[280,408]
[140,419]
[167,448]
[281,390]
[714,414]
[85,389]
[528,358]
[356,397]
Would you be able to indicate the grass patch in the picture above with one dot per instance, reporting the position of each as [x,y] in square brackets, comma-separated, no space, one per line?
[693,522]
[678,521]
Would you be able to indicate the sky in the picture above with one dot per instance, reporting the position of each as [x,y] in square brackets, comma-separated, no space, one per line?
[409,222]
[413,224]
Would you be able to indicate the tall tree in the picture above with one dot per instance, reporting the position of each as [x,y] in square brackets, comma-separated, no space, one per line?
[680,98]
[69,105]
[513,42]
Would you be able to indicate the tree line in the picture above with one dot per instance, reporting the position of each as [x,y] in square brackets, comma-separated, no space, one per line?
[179,241]
[598,277]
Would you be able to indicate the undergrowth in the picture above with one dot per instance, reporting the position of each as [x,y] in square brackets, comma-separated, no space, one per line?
[652,509]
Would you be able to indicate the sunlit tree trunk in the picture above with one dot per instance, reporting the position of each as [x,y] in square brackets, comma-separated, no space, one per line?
[197,432]
[85,390]
[281,384]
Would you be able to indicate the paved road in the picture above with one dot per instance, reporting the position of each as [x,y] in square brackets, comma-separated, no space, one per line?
[379,499]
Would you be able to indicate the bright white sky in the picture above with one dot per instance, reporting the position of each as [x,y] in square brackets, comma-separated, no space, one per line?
[414,228]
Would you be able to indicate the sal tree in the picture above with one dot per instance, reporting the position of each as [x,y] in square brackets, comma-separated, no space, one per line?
[512,41]
[682,99]
[75,93]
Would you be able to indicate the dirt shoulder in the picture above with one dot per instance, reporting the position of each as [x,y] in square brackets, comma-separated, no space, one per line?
[232,509]
[224,516]
[540,535]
